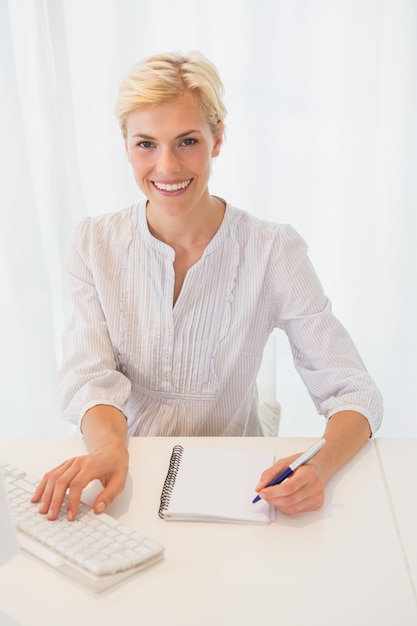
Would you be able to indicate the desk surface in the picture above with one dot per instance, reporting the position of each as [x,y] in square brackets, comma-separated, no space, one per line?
[345,564]
[398,458]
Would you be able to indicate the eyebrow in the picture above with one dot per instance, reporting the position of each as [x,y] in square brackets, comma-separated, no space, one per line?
[180,136]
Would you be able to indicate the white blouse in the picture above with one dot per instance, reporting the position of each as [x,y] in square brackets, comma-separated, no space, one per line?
[190,369]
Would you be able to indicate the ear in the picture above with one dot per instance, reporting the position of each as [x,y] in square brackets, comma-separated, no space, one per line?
[218,141]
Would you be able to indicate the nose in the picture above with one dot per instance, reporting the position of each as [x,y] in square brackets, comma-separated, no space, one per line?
[167,161]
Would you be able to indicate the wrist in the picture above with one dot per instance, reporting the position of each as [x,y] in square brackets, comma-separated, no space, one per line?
[345,434]
[104,426]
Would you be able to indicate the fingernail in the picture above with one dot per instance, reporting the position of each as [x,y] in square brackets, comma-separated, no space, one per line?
[259,485]
[70,516]
[100,507]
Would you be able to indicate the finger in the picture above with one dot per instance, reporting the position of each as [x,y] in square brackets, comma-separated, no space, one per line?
[112,489]
[302,505]
[76,487]
[83,474]
[39,491]
[58,482]
[55,494]
[285,495]
[52,496]
[272,472]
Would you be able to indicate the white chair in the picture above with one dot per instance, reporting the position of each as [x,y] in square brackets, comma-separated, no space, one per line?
[269,409]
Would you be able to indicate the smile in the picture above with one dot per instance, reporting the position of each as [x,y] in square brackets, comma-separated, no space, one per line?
[172,186]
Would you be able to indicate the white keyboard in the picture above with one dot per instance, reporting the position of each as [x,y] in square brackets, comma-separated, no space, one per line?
[96,550]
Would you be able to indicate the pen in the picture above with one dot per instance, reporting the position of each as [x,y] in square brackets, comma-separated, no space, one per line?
[301,460]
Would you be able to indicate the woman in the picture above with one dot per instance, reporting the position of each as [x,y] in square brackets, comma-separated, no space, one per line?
[175,297]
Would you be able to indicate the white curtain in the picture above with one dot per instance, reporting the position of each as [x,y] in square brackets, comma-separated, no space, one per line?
[321,133]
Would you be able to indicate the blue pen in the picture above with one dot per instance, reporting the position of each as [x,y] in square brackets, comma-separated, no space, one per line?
[302,460]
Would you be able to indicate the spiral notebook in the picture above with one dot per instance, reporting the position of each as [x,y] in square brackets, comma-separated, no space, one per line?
[215,485]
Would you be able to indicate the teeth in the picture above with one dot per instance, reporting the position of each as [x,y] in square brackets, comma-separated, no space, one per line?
[174,187]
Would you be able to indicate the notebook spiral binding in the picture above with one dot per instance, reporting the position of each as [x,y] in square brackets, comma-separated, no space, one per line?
[169,483]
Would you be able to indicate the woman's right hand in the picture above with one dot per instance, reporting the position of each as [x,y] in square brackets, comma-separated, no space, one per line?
[108,464]
[105,429]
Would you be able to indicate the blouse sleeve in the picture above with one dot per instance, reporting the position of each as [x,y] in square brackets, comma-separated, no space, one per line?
[323,351]
[89,374]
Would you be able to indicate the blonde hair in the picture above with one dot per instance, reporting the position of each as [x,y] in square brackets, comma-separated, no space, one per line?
[162,77]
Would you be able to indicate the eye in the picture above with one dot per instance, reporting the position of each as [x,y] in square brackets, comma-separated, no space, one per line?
[190,141]
[144,144]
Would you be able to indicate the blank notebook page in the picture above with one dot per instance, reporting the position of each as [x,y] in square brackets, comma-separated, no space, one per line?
[216,484]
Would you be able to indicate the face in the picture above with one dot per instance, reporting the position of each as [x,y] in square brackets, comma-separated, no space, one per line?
[170,147]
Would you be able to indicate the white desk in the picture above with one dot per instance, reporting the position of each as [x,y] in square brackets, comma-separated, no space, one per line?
[343,565]
[398,458]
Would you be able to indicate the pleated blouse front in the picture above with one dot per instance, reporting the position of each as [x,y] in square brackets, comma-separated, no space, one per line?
[190,369]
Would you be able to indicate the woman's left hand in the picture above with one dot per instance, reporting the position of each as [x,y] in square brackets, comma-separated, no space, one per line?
[302,491]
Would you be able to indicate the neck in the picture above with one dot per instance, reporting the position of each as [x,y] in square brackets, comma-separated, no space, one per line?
[185,231]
